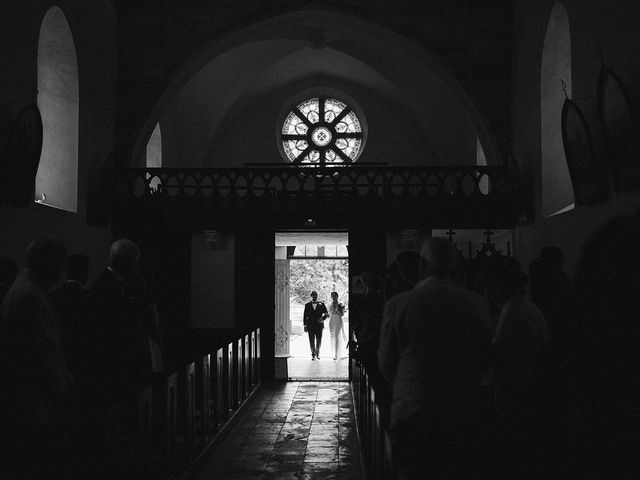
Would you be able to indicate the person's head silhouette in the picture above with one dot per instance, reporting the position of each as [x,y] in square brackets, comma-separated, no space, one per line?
[124,257]
[46,258]
[438,257]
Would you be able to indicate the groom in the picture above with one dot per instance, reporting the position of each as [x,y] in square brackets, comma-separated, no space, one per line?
[315,313]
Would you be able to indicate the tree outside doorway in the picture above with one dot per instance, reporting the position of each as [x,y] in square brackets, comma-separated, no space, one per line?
[322,275]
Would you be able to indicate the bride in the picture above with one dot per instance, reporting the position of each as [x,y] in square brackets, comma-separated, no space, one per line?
[336,330]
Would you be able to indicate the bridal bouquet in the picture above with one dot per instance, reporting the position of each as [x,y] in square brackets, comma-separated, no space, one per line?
[340,309]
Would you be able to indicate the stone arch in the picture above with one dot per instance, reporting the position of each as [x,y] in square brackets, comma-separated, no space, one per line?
[415,79]
[58,101]
[557,192]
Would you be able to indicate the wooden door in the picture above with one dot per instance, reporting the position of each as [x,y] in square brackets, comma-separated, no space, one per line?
[282,308]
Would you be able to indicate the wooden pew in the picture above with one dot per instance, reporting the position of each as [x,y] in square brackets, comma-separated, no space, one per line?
[246,362]
[189,409]
[220,405]
[231,391]
[239,370]
[258,358]
[144,432]
[180,412]
[254,372]
[206,405]
[170,433]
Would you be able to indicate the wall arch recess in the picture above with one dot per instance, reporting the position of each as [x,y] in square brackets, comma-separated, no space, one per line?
[589,185]
[621,131]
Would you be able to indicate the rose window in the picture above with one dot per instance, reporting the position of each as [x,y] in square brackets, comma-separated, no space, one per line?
[322,131]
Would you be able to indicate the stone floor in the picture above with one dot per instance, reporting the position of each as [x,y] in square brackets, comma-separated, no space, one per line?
[293,430]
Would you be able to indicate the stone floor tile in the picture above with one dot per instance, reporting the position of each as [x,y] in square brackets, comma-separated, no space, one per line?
[297,434]
[322,450]
[287,459]
[319,476]
[262,437]
[286,466]
[291,443]
[324,435]
[267,428]
[281,476]
[321,442]
[256,449]
[317,467]
[315,457]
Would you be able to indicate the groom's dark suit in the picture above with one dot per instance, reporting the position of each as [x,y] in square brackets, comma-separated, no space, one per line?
[312,321]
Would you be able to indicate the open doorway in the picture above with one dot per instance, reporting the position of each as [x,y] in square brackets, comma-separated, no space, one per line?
[306,262]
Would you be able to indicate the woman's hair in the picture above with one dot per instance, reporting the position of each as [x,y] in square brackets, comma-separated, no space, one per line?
[333,293]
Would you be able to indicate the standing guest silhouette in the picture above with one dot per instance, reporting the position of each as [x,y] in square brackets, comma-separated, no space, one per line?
[33,372]
[602,374]
[121,345]
[122,349]
[71,305]
[434,349]
[552,291]
[315,313]
[521,371]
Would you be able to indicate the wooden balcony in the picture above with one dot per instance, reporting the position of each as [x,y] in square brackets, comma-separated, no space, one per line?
[323,197]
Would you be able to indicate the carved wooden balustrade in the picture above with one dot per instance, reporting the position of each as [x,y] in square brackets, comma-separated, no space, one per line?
[465,195]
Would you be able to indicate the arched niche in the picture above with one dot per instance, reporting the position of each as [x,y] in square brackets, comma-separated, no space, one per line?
[557,192]
[481,161]
[621,131]
[57,177]
[589,185]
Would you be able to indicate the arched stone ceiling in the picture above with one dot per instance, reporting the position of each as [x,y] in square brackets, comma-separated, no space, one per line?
[229,75]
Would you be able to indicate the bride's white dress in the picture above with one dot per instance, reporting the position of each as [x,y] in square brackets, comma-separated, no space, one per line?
[336,330]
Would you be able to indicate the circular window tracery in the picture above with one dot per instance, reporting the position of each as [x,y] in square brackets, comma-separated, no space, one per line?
[322,131]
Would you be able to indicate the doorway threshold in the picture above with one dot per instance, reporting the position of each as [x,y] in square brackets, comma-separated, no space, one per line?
[314,379]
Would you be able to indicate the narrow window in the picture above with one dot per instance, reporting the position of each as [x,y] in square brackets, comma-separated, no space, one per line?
[154,157]
[557,192]
[154,149]
[481,161]
[57,177]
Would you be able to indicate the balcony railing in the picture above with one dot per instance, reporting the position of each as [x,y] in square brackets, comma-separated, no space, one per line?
[300,181]
[463,196]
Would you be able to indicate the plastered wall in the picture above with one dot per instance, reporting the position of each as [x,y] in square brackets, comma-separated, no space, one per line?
[92,25]
[212,282]
[594,28]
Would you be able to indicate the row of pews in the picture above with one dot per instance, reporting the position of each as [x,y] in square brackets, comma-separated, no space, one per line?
[370,409]
[183,412]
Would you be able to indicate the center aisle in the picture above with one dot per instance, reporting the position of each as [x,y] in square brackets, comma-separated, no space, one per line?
[294,430]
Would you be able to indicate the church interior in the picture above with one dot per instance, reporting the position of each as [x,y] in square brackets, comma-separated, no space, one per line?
[204,130]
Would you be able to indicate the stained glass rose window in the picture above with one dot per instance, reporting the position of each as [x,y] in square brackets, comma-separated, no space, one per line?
[321,131]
